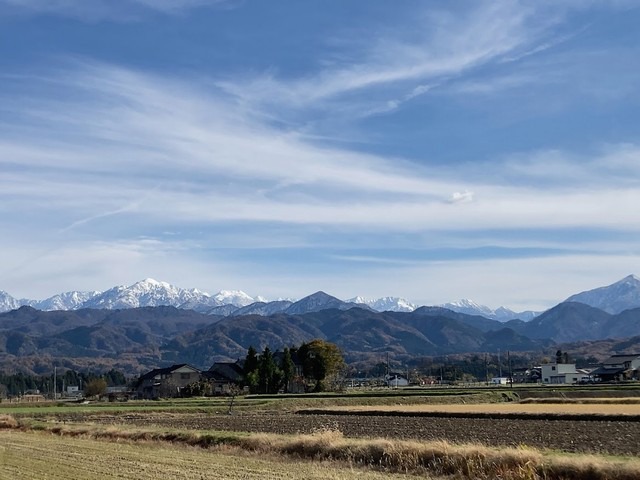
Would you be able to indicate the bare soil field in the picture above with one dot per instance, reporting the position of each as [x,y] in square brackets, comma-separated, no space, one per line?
[527,408]
[29,455]
[613,437]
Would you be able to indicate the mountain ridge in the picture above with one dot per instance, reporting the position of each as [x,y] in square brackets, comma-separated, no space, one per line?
[615,298]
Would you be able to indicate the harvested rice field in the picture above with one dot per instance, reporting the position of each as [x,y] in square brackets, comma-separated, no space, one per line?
[29,455]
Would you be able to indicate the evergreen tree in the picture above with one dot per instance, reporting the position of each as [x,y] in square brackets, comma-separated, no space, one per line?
[267,373]
[288,369]
[250,370]
[250,361]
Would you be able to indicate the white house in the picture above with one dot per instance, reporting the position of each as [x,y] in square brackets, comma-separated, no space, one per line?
[500,380]
[395,381]
[560,373]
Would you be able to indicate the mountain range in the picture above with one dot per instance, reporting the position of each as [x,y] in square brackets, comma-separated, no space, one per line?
[153,293]
[144,337]
[615,298]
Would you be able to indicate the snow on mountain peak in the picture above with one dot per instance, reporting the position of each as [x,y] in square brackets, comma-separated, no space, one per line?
[385,304]
[502,314]
[233,297]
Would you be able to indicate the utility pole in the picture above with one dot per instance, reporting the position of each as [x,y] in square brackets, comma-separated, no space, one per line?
[55,382]
[499,365]
[510,371]
[486,370]
[387,377]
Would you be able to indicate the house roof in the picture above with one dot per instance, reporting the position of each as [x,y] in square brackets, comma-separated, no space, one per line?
[621,358]
[225,371]
[166,370]
[608,371]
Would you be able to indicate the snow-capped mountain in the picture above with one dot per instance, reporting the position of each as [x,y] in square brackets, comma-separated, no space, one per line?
[385,304]
[235,297]
[7,302]
[615,298]
[501,314]
[64,301]
[146,293]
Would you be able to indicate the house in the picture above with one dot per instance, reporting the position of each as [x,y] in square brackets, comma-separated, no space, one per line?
[394,380]
[223,377]
[618,368]
[167,382]
[560,373]
[526,375]
[500,380]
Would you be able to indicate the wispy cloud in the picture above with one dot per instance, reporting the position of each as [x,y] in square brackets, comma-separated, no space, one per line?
[129,131]
[98,160]
[97,10]
[434,47]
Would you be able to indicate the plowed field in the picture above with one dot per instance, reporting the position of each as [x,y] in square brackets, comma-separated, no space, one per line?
[601,436]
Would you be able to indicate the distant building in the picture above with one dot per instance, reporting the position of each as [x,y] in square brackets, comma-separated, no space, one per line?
[561,373]
[73,391]
[500,380]
[395,380]
[617,368]
[167,382]
[527,375]
[223,377]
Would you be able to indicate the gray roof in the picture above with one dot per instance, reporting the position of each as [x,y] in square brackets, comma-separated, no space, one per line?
[621,358]
[608,371]
[166,370]
[226,371]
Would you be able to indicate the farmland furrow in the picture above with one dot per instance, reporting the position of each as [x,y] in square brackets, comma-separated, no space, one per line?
[615,437]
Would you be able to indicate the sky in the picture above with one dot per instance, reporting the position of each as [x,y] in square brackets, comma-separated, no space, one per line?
[431,150]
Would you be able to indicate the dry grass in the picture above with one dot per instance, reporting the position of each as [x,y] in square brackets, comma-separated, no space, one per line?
[7,421]
[391,456]
[591,400]
[29,455]
[574,408]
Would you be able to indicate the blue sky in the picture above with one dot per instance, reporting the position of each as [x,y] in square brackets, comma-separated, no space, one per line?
[431,150]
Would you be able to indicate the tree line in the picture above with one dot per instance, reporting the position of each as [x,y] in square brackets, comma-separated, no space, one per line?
[18,384]
[311,366]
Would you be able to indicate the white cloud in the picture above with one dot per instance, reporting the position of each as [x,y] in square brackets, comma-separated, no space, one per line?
[432,48]
[461,197]
[138,149]
[102,155]
[98,10]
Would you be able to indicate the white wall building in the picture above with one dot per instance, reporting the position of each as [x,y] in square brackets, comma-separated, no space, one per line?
[560,373]
[395,381]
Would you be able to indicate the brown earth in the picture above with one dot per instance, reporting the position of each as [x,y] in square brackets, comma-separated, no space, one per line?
[596,436]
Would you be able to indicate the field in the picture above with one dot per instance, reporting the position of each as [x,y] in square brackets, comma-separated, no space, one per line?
[508,408]
[35,455]
[473,434]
